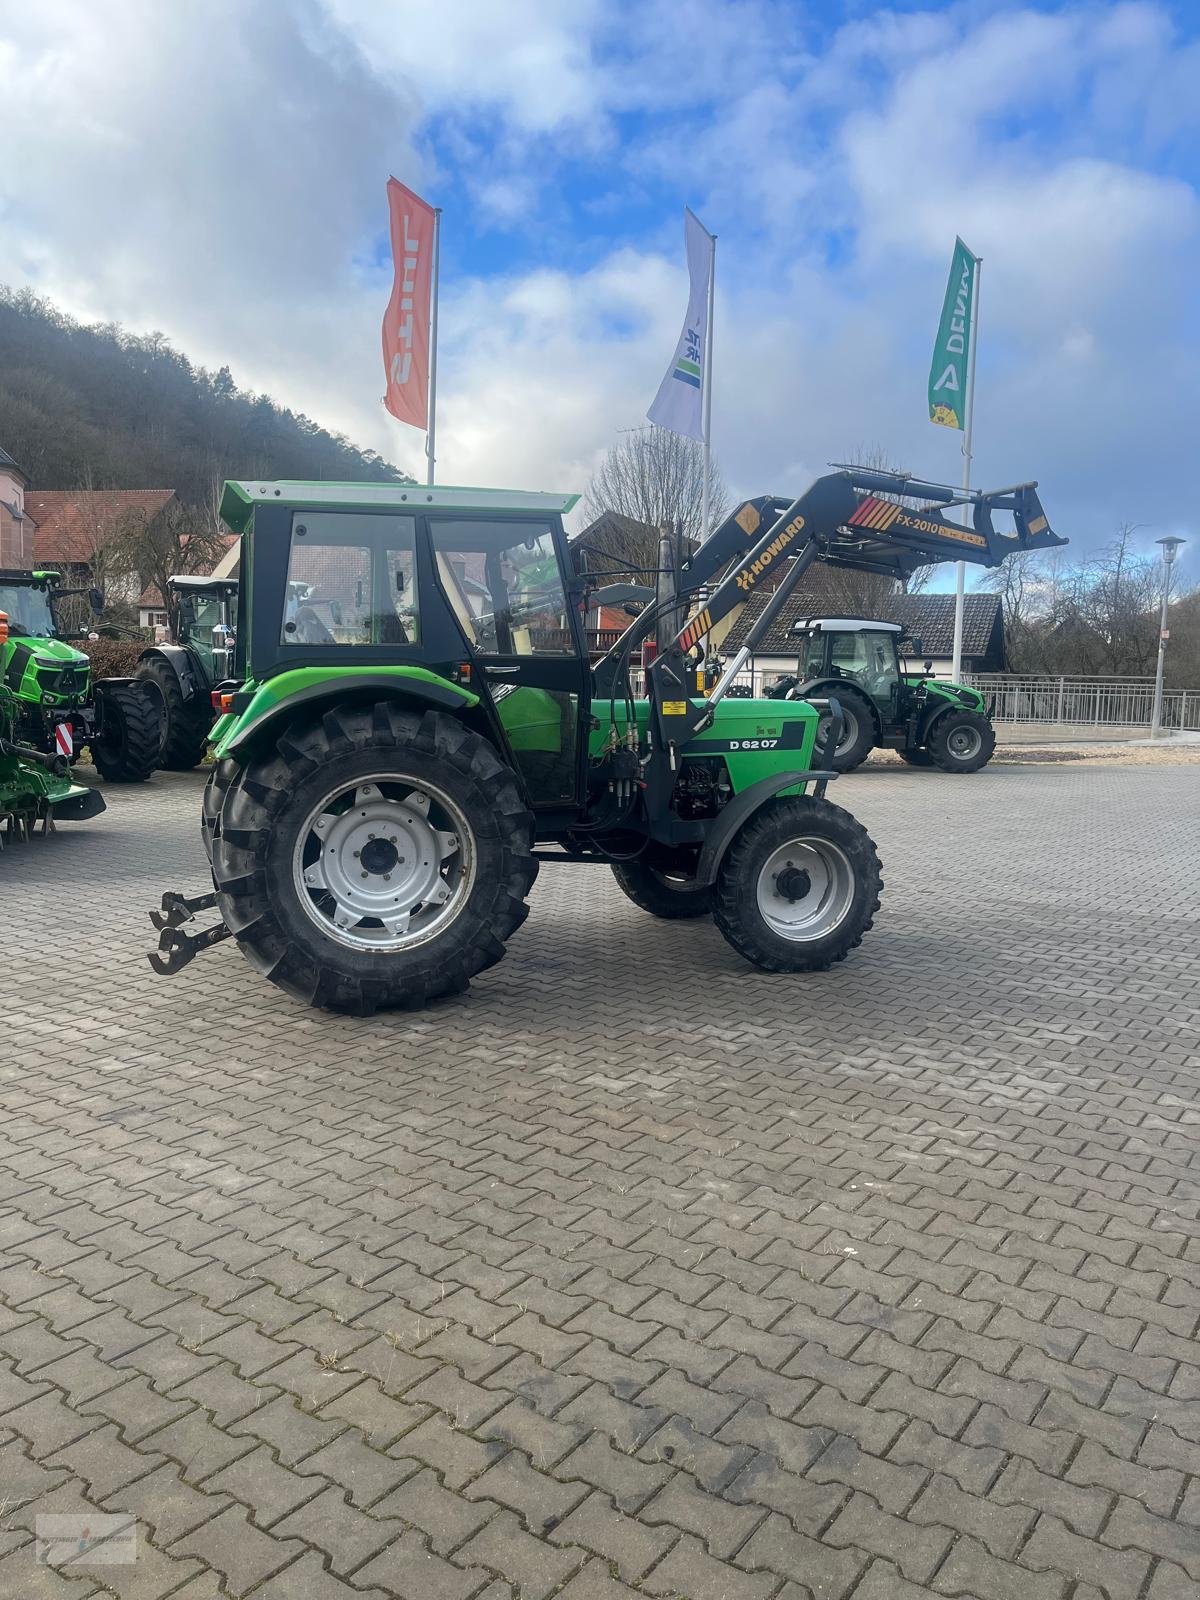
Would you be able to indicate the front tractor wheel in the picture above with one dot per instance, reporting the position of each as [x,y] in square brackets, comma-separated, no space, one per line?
[377,858]
[798,887]
[858,733]
[662,894]
[961,741]
[126,750]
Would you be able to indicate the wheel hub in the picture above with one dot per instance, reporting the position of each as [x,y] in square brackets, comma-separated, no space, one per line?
[380,855]
[376,863]
[793,883]
[806,888]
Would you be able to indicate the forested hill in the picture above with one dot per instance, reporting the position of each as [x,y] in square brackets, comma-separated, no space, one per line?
[122,410]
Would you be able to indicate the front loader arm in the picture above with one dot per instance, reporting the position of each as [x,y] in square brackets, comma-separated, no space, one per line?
[840,519]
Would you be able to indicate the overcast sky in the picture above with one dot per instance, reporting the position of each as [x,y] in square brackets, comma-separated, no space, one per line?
[216,168]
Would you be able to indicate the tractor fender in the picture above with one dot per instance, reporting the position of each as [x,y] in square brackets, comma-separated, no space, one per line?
[181,662]
[443,697]
[739,810]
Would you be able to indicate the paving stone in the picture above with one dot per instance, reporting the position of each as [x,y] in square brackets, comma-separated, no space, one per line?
[533,1566]
[232,1546]
[330,1522]
[516,1230]
[627,1543]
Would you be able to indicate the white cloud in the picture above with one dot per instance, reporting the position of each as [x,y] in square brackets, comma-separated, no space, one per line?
[216,170]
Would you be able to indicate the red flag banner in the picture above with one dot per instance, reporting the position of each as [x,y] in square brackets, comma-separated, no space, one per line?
[406,320]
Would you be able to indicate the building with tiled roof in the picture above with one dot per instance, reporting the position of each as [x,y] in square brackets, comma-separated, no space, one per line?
[72,524]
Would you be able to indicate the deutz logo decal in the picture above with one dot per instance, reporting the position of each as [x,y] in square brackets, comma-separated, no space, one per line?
[749,576]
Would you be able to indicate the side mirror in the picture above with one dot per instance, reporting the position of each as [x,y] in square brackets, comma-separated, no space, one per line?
[96,598]
[917,647]
[928,669]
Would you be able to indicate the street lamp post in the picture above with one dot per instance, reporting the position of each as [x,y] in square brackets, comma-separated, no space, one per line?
[1170,548]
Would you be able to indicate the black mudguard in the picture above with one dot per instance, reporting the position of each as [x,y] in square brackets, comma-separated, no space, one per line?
[740,809]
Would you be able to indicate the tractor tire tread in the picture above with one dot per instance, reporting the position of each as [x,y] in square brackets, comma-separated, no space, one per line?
[136,756]
[185,726]
[735,908]
[646,889]
[939,734]
[245,828]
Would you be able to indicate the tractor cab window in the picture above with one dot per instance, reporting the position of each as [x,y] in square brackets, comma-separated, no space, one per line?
[351,581]
[199,614]
[503,581]
[29,613]
[848,656]
[882,670]
[812,656]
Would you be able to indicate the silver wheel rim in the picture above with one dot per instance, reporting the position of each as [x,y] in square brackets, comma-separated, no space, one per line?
[827,902]
[964,743]
[849,730]
[384,863]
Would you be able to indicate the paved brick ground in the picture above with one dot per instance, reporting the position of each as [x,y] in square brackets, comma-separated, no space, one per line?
[632,1269]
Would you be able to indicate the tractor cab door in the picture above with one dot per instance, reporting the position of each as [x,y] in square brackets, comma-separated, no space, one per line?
[504,579]
[867,659]
[882,680]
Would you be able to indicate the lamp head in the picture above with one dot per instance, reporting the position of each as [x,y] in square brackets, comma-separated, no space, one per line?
[1170,548]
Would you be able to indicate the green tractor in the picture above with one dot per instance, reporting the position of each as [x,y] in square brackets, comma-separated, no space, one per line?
[59,707]
[928,723]
[34,785]
[183,675]
[413,728]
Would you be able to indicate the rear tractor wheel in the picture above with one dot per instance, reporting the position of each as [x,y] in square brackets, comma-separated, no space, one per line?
[377,858]
[127,749]
[961,741]
[662,894]
[858,733]
[798,887]
[185,723]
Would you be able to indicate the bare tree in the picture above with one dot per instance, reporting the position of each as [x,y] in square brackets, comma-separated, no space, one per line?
[650,479]
[176,539]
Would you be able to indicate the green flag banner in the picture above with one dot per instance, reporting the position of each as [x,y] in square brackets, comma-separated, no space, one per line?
[948,372]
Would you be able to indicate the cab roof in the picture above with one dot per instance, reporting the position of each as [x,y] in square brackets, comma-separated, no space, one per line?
[240,498]
[845,625]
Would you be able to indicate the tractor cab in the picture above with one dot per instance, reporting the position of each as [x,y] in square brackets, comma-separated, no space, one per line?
[207,620]
[858,651]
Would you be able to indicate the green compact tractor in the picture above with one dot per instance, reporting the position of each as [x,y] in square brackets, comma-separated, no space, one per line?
[928,723]
[184,674]
[58,706]
[413,727]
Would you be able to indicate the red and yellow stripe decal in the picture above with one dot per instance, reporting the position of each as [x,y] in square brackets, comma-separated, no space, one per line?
[875,514]
[695,630]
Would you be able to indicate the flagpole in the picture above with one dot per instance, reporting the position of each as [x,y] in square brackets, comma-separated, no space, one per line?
[708,338]
[431,435]
[968,430]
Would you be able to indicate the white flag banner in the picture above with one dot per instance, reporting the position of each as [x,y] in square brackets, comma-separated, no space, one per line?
[678,405]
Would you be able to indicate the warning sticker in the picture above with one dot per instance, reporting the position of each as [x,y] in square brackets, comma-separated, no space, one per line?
[674,708]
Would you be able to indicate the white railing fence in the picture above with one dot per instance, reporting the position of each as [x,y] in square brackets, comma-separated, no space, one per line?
[1080,702]
[1088,702]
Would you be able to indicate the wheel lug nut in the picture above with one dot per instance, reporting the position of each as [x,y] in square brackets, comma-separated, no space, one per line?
[364,874]
[357,853]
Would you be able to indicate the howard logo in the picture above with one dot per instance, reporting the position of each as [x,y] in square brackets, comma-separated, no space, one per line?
[749,575]
[401,364]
